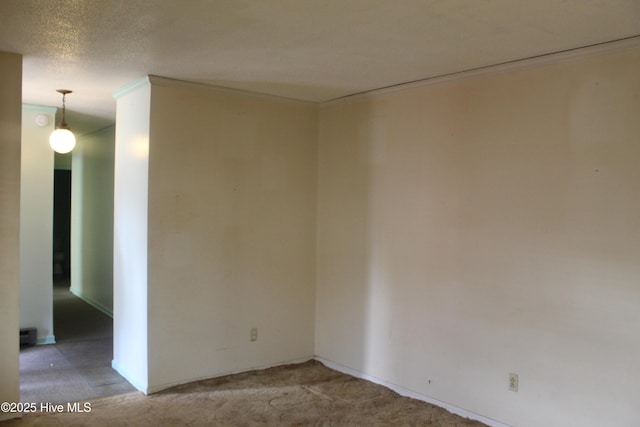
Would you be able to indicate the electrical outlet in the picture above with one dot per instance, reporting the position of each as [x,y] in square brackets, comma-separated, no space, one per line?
[513,382]
[253,334]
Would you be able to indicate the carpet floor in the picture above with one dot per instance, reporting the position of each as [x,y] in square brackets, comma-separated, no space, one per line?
[78,366]
[307,394]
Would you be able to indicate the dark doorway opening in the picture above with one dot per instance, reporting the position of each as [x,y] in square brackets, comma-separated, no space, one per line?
[61,225]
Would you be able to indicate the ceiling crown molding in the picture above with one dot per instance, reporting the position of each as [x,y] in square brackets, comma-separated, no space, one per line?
[628,43]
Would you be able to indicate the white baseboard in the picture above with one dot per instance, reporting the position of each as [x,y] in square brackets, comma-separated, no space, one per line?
[51,339]
[410,393]
[128,377]
[157,388]
[95,304]
[332,365]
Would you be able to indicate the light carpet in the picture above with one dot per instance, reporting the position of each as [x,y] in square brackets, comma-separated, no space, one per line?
[307,394]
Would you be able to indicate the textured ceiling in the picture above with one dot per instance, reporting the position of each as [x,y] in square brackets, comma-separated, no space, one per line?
[307,50]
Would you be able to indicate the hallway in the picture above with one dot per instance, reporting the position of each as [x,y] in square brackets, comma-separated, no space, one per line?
[78,366]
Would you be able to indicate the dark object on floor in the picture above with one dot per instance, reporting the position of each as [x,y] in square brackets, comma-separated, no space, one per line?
[28,336]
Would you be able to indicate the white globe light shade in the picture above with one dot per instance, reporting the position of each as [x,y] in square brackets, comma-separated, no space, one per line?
[62,140]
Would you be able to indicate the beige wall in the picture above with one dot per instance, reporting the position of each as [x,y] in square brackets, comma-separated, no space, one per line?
[10,126]
[476,228]
[232,199]
[92,219]
[36,223]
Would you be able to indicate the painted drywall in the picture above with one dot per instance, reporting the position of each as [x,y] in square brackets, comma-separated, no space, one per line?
[232,201]
[36,223]
[63,161]
[92,219]
[10,129]
[130,235]
[476,228]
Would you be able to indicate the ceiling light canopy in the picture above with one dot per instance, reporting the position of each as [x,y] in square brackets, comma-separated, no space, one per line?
[62,140]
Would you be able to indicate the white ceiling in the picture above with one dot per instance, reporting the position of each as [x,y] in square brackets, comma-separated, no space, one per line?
[303,49]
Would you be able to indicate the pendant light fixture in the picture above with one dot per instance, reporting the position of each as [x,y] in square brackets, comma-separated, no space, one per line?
[62,139]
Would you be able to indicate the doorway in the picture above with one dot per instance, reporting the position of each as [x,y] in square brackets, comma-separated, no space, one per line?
[78,366]
[61,226]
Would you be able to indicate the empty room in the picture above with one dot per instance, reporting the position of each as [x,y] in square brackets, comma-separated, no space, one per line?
[356,212]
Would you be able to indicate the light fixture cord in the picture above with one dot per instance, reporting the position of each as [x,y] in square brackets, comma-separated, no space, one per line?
[63,123]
